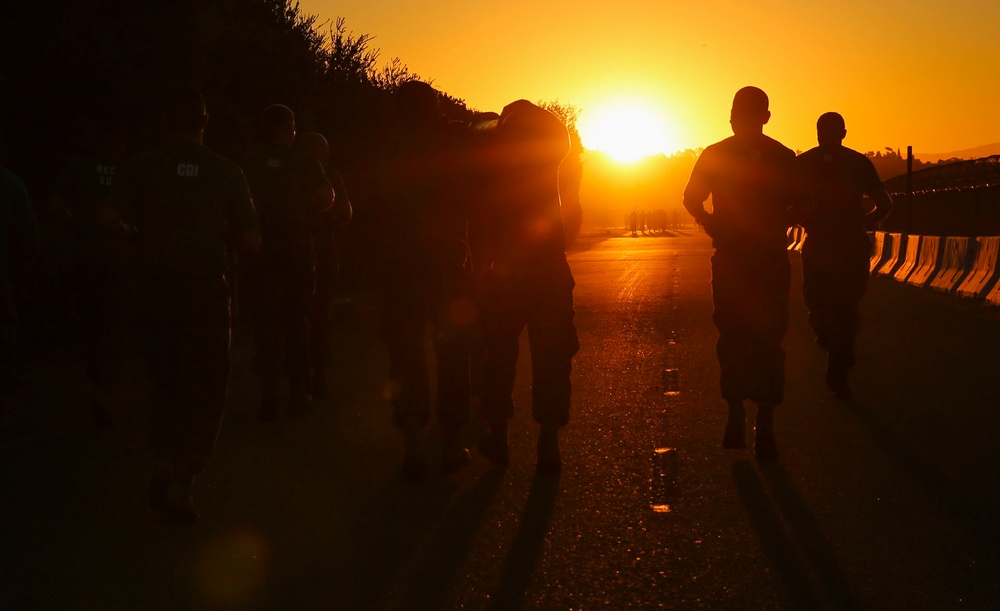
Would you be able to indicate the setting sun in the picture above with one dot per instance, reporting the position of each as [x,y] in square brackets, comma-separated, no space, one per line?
[627,131]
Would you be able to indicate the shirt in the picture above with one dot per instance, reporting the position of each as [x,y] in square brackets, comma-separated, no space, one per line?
[750,181]
[184,200]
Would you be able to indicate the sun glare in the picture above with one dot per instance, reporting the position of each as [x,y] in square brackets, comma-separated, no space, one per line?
[627,131]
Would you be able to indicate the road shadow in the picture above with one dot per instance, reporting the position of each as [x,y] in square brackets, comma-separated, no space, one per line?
[808,534]
[364,563]
[527,545]
[771,532]
[428,586]
[798,550]
[940,489]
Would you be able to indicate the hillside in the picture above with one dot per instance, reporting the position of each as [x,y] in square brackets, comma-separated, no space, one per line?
[974,153]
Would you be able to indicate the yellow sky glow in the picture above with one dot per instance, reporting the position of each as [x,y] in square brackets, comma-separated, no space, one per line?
[902,72]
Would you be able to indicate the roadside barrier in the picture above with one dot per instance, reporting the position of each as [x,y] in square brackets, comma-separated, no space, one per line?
[911,259]
[795,236]
[928,261]
[993,298]
[956,262]
[879,250]
[895,255]
[984,271]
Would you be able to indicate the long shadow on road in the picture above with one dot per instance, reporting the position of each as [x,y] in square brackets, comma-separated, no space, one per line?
[527,545]
[797,548]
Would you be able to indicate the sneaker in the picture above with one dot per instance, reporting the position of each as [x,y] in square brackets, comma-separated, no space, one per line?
[494,446]
[298,404]
[456,455]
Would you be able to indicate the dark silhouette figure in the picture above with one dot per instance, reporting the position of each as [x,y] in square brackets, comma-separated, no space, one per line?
[289,190]
[834,181]
[19,240]
[327,226]
[527,281]
[182,200]
[101,258]
[427,274]
[748,177]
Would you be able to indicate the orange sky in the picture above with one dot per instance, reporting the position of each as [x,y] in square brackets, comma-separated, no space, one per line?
[901,72]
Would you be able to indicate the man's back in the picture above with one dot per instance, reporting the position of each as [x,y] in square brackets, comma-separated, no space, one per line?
[749,178]
[282,181]
[834,181]
[183,198]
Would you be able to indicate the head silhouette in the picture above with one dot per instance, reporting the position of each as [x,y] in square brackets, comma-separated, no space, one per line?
[417,103]
[830,129]
[277,125]
[183,111]
[750,111]
[316,145]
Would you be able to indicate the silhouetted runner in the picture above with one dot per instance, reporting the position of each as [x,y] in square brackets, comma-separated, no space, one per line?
[834,181]
[427,274]
[527,282]
[289,190]
[183,200]
[748,176]
[327,227]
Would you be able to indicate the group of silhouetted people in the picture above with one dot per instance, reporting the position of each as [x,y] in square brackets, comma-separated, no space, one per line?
[759,189]
[473,251]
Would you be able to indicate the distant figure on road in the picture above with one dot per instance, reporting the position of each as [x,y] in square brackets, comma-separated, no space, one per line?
[289,189]
[834,181]
[326,225]
[748,176]
[183,201]
[527,282]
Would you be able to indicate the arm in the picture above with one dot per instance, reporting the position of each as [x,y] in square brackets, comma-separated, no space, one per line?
[697,191]
[878,194]
[342,211]
[242,216]
[883,206]
[320,191]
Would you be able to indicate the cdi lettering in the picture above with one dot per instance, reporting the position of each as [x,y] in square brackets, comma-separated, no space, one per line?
[188,170]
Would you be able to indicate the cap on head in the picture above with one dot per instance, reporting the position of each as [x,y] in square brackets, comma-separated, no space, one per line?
[183,110]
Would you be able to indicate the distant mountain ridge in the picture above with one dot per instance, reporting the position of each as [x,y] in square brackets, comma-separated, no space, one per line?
[974,153]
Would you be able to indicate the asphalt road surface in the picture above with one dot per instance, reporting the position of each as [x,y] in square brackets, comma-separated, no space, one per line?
[887,502]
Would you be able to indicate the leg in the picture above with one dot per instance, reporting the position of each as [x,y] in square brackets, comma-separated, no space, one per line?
[298,291]
[554,341]
[503,324]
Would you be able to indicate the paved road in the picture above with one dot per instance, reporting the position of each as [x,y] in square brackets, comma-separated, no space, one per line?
[889,502]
